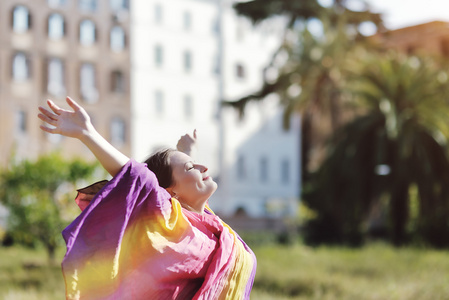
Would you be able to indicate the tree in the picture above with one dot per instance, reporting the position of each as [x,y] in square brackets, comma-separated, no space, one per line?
[400,141]
[35,193]
[311,80]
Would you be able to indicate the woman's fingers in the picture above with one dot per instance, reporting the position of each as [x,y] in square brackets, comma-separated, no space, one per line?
[56,109]
[73,104]
[48,119]
[47,113]
[47,129]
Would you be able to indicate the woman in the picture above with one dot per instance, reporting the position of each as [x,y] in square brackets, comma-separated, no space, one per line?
[148,233]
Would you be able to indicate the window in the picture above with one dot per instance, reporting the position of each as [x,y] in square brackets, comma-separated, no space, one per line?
[20,19]
[158,14]
[159,102]
[118,132]
[20,67]
[216,64]
[216,25]
[87,33]
[240,71]
[88,83]
[263,168]
[55,26]
[241,167]
[187,61]
[56,3]
[117,82]
[21,122]
[55,77]
[117,39]
[187,20]
[118,5]
[158,55]
[188,107]
[285,171]
[87,5]
[445,47]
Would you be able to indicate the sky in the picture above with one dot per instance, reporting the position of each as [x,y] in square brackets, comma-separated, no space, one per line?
[403,13]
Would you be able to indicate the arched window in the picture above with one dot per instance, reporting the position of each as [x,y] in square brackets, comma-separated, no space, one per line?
[117,39]
[20,19]
[87,5]
[118,132]
[55,26]
[88,86]
[118,5]
[87,32]
[117,82]
[55,77]
[56,3]
[20,67]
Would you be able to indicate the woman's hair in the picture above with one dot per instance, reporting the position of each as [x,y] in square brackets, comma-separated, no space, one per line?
[159,163]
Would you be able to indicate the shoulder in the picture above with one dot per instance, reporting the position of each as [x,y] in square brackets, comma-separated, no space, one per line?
[138,171]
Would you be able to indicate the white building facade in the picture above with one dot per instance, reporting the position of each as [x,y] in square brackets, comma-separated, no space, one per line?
[188,55]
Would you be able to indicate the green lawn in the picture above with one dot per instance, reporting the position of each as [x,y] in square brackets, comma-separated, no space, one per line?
[376,271]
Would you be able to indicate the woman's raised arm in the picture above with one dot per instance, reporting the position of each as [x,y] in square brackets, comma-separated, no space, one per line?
[77,124]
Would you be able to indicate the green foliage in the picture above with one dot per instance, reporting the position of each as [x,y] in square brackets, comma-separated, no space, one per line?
[35,193]
[260,10]
[405,128]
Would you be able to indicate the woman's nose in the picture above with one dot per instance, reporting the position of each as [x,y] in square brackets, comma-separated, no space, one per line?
[202,168]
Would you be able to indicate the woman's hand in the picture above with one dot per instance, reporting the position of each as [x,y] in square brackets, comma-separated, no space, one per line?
[187,144]
[74,123]
[77,124]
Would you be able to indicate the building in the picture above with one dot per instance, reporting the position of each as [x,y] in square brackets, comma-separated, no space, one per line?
[186,57]
[53,48]
[428,38]
[149,71]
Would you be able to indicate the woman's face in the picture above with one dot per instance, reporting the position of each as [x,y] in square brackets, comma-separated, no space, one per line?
[192,185]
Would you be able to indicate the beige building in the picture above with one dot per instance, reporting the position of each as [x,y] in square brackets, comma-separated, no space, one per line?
[53,48]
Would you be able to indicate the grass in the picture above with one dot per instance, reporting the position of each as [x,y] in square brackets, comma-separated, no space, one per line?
[26,275]
[374,272]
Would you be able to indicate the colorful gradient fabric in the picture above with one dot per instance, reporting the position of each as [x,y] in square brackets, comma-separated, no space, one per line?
[133,242]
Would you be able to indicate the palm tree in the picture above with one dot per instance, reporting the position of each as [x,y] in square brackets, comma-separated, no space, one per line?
[310,81]
[404,130]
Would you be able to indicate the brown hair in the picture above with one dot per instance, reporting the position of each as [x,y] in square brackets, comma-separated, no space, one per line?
[159,163]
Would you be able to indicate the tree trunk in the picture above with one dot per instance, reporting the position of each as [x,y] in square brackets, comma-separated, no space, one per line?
[306,138]
[399,213]
[51,252]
